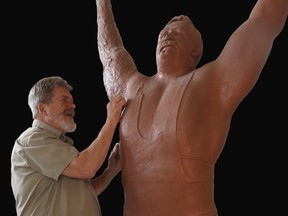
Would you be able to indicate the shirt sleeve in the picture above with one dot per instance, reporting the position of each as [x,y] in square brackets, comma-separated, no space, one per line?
[50,156]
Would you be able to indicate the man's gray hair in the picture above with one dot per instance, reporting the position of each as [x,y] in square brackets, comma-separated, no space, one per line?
[42,91]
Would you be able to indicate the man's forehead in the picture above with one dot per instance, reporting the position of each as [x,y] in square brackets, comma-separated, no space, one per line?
[61,92]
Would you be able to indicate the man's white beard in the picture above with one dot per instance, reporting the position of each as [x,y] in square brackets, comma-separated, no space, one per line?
[67,126]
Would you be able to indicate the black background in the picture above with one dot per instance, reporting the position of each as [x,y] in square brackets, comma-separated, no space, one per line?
[43,38]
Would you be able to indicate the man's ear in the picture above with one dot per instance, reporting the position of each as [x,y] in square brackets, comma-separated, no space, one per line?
[41,108]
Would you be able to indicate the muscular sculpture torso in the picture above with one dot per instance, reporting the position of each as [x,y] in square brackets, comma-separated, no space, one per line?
[161,162]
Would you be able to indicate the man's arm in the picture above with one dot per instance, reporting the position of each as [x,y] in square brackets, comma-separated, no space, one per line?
[118,65]
[247,50]
[88,162]
[101,182]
